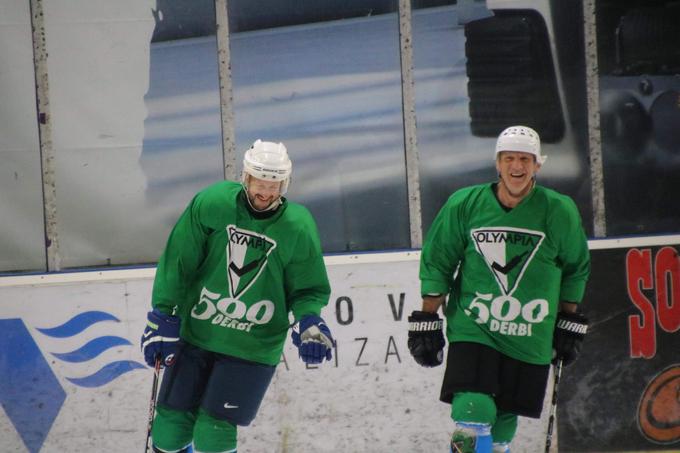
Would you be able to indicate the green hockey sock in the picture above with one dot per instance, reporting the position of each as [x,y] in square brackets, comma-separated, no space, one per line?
[473,407]
[172,430]
[505,427]
[213,435]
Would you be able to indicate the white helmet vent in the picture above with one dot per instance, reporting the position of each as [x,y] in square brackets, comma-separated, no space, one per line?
[268,161]
[521,139]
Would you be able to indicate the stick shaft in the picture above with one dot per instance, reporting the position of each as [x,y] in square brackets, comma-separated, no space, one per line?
[152,402]
[553,406]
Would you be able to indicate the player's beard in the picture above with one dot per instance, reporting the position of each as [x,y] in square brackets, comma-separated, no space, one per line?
[260,204]
[263,205]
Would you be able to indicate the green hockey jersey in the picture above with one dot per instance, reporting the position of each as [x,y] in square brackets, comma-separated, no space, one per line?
[506,271]
[234,278]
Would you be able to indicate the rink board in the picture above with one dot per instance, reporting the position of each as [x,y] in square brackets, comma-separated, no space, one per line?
[72,376]
[622,393]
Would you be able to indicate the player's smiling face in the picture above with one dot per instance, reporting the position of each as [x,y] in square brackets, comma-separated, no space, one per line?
[262,193]
[516,171]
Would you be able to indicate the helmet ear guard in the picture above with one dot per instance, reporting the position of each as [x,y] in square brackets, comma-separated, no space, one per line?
[268,161]
[520,139]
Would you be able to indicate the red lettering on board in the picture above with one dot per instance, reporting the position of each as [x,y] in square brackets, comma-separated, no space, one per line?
[642,327]
[667,272]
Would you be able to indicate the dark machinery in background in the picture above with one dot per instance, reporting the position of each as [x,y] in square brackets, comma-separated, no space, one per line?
[511,75]
[526,65]
[511,65]
[639,57]
[640,83]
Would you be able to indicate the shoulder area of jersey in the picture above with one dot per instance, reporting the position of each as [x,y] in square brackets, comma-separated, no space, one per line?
[222,187]
[469,191]
[219,192]
[297,211]
[553,195]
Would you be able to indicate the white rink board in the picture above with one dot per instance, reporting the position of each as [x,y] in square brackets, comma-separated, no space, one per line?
[372,398]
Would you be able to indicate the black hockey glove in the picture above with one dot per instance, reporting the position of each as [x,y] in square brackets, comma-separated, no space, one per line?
[426,338]
[570,330]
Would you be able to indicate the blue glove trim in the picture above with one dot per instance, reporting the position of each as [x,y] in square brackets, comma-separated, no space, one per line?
[313,339]
[160,337]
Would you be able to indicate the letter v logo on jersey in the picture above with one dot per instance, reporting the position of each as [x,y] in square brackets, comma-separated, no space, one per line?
[247,254]
[507,251]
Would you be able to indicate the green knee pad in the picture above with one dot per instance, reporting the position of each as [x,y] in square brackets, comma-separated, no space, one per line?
[473,407]
[213,435]
[505,427]
[172,430]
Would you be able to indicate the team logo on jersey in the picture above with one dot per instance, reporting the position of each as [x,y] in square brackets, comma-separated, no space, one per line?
[247,254]
[507,251]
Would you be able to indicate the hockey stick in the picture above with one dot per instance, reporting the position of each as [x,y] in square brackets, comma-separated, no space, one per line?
[152,402]
[553,407]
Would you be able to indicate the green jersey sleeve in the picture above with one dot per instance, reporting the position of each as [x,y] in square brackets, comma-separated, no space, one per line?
[573,254]
[305,278]
[443,248]
[184,252]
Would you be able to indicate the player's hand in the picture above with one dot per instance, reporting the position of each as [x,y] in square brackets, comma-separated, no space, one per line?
[426,338]
[313,339]
[570,330]
[160,338]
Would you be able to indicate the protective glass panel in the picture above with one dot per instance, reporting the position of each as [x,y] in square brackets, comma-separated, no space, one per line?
[477,73]
[330,89]
[22,243]
[640,113]
[135,106]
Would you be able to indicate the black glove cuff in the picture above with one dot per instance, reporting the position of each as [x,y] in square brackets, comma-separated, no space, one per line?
[422,321]
[572,324]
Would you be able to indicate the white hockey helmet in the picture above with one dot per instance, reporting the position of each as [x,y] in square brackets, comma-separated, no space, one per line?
[268,161]
[520,138]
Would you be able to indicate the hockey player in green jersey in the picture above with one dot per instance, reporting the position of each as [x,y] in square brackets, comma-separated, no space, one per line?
[513,259]
[240,259]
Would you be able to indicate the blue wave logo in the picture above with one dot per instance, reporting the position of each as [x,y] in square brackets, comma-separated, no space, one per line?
[92,349]
[30,393]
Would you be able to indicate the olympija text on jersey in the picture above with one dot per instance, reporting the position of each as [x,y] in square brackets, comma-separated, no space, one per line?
[515,268]
[234,278]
